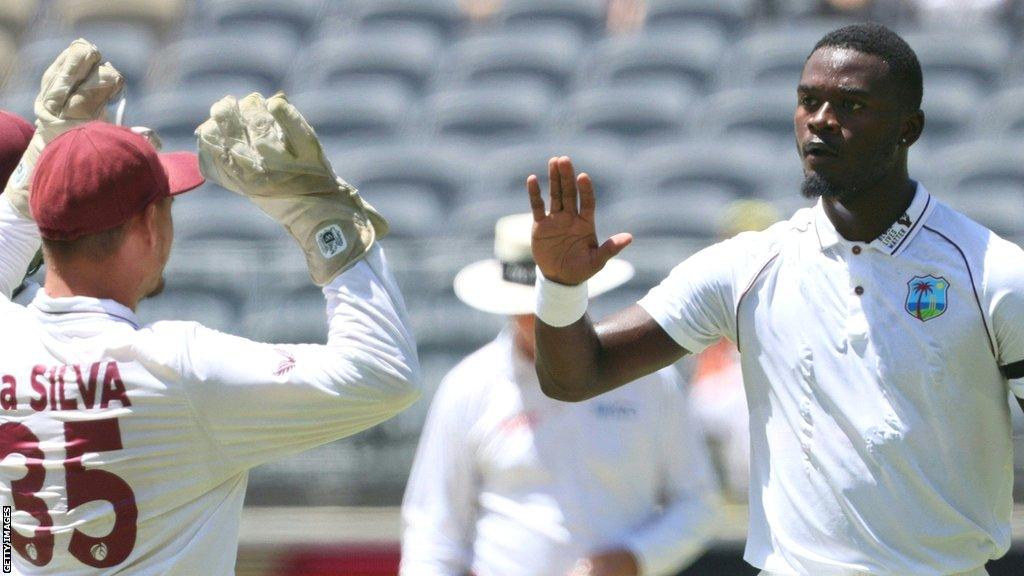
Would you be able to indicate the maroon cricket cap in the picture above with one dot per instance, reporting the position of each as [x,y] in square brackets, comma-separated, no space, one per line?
[97,176]
[15,134]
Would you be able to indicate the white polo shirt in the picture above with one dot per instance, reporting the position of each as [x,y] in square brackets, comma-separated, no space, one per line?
[880,428]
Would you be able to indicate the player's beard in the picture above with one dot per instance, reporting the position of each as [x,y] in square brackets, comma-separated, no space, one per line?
[815,185]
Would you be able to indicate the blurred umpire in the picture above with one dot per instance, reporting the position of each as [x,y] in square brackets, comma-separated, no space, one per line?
[508,482]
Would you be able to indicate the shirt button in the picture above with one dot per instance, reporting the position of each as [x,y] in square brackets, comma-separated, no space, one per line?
[858,290]
[856,249]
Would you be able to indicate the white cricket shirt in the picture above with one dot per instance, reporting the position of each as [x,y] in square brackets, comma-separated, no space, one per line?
[880,428]
[508,482]
[125,448]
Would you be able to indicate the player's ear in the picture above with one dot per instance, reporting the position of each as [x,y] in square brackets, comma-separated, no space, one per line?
[913,125]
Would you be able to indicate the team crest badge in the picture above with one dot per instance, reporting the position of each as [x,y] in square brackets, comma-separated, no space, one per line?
[926,297]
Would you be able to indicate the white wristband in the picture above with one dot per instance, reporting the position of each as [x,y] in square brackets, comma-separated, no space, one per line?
[559,305]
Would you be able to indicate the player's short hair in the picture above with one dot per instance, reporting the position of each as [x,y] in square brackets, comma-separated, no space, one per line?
[877,40]
[97,245]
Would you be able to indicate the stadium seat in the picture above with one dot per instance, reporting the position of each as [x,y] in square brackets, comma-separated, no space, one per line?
[773,54]
[160,15]
[510,56]
[8,54]
[984,179]
[727,16]
[949,109]
[404,55]
[689,60]
[226,60]
[1002,115]
[732,167]
[764,112]
[403,167]
[488,114]
[586,17]
[128,47]
[356,112]
[293,318]
[176,113]
[442,17]
[182,302]
[17,14]
[297,16]
[634,113]
[212,213]
[973,56]
[692,211]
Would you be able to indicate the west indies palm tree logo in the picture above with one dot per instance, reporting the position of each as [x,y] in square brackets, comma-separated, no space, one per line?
[926,297]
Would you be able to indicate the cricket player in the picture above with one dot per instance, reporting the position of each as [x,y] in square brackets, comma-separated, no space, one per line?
[877,330]
[126,448]
[508,482]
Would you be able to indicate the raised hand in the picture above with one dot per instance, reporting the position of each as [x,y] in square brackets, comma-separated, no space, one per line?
[74,90]
[565,239]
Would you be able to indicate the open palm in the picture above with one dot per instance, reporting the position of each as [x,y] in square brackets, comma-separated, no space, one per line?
[564,240]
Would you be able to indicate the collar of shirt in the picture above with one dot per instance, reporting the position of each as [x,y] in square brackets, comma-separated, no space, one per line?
[54,308]
[894,240]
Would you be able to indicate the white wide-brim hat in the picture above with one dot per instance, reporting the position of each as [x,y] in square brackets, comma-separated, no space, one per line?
[505,285]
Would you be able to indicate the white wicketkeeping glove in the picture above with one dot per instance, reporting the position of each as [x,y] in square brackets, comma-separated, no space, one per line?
[265,150]
[75,90]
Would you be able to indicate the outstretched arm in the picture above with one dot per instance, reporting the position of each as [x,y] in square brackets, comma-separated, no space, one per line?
[580,360]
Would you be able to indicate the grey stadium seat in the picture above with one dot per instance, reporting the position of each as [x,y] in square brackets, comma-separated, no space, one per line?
[949,110]
[511,56]
[212,212]
[129,48]
[400,169]
[974,57]
[487,114]
[636,113]
[405,56]
[689,60]
[298,17]
[773,54]
[724,15]
[182,302]
[739,168]
[763,112]
[1003,114]
[688,213]
[226,60]
[176,113]
[293,318]
[356,112]
[586,17]
[442,17]
[984,179]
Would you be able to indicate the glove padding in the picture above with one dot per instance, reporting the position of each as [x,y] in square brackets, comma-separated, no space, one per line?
[266,151]
[75,90]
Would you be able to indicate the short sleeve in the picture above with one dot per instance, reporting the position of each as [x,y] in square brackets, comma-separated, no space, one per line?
[695,304]
[1005,296]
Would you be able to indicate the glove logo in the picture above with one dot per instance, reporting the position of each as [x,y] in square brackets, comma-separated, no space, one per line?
[20,175]
[331,241]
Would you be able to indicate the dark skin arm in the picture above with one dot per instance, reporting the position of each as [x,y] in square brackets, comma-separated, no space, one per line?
[583,360]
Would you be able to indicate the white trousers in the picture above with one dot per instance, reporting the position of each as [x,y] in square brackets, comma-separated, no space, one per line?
[975,572]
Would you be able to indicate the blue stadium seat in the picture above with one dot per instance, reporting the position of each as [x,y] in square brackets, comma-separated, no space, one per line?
[724,15]
[442,17]
[405,56]
[732,167]
[764,112]
[634,113]
[586,17]
[487,115]
[505,56]
[226,60]
[690,60]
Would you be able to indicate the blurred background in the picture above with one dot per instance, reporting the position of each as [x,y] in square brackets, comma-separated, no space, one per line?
[439,109]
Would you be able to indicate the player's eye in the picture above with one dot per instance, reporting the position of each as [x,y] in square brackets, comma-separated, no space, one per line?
[808,101]
[852,105]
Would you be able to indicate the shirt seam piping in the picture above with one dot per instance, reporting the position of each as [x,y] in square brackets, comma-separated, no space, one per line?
[739,301]
[974,288]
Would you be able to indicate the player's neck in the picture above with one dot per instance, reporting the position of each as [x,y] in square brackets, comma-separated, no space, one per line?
[866,217]
[65,282]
